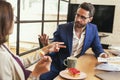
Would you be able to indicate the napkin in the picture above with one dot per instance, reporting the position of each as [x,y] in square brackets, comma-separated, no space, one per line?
[108,67]
[109,59]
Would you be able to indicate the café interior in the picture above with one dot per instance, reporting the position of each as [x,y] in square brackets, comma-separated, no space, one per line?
[36,17]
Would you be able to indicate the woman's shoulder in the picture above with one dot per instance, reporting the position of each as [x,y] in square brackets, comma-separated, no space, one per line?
[5,57]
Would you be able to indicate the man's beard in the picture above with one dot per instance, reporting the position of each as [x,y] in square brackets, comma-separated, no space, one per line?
[78,25]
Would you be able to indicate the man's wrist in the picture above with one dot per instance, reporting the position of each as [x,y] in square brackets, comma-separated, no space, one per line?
[104,55]
[101,54]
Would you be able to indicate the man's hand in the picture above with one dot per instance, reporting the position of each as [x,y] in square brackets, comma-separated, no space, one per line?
[104,55]
[44,39]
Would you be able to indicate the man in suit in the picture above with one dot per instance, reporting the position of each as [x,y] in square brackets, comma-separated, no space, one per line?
[78,36]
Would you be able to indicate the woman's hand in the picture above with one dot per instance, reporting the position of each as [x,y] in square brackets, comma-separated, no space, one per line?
[42,66]
[52,47]
[55,46]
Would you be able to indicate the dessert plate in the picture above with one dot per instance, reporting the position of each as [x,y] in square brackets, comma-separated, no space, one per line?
[66,75]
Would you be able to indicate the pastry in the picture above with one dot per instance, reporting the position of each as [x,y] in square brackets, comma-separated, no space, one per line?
[73,72]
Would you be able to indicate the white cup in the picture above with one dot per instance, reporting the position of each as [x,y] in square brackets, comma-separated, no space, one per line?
[70,62]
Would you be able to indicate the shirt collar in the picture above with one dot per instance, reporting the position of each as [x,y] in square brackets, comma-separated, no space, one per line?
[83,31]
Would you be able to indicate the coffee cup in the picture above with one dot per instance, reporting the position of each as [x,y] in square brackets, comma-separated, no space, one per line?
[70,62]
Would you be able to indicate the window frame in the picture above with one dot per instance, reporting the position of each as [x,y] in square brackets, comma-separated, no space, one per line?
[18,22]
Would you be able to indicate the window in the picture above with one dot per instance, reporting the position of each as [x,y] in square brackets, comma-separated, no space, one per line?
[35,17]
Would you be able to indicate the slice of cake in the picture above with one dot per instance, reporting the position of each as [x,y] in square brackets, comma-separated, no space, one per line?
[73,72]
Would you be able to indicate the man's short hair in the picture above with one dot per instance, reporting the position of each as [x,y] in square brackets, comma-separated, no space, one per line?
[89,7]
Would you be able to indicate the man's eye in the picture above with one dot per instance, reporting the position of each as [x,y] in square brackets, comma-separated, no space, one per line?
[83,17]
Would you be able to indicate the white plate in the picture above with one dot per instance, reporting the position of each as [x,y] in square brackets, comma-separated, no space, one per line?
[65,74]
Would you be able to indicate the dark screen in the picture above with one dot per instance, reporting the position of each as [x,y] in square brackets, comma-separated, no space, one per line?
[103,18]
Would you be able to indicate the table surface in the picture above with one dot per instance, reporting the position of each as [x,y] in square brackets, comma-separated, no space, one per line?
[86,63]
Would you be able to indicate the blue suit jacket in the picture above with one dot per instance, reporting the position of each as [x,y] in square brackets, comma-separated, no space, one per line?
[64,33]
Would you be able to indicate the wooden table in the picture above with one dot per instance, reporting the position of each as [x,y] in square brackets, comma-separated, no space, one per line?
[86,63]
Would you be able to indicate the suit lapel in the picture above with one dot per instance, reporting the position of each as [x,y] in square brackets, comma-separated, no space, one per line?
[87,37]
[70,37]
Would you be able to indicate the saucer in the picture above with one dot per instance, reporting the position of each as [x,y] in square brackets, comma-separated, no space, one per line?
[65,74]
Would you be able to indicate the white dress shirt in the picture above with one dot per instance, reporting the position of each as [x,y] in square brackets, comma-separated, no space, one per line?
[77,43]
